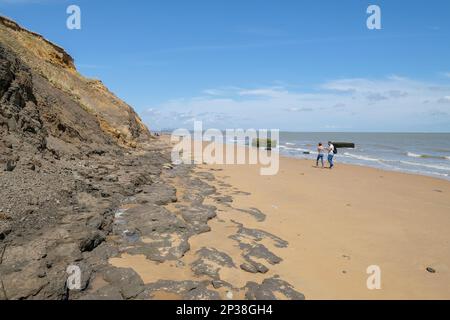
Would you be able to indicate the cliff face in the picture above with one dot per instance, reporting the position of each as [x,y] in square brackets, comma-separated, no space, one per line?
[41,78]
[70,153]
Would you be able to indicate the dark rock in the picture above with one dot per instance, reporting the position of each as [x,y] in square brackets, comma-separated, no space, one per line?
[169,234]
[198,216]
[180,288]
[23,283]
[249,268]
[105,194]
[201,293]
[92,241]
[258,235]
[10,165]
[95,222]
[217,284]
[108,292]
[127,281]
[256,213]
[266,290]
[42,274]
[203,265]
[254,267]
[258,292]
[206,176]
[224,199]
[112,178]
[431,270]
[4,233]
[100,255]
[159,194]
[132,236]
[86,274]
[260,252]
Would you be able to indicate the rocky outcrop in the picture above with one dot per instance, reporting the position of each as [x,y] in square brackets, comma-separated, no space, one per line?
[51,66]
[61,137]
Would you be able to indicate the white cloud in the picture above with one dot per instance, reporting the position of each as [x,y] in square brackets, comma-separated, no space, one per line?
[445,99]
[272,92]
[295,109]
[393,103]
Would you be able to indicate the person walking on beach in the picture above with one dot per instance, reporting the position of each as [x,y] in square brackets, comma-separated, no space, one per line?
[331,151]
[320,154]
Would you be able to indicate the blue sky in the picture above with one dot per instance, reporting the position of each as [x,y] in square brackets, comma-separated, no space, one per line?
[292,65]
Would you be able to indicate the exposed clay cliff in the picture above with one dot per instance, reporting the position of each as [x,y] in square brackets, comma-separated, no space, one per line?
[53,70]
[65,145]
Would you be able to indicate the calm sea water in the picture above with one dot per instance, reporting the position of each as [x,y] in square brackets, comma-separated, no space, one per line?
[419,153]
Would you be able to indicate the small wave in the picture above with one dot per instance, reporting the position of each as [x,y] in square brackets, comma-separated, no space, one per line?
[360,157]
[430,166]
[422,172]
[426,156]
[294,149]
[298,151]
[384,147]
[290,144]
[286,148]
[413,155]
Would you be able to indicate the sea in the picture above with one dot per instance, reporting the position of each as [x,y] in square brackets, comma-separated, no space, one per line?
[417,153]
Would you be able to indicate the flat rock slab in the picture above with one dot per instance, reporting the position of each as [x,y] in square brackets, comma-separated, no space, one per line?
[270,289]
[125,280]
[157,193]
[252,250]
[254,212]
[210,261]
[189,290]
[153,231]
[258,235]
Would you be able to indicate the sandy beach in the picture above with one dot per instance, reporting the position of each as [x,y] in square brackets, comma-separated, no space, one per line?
[337,223]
